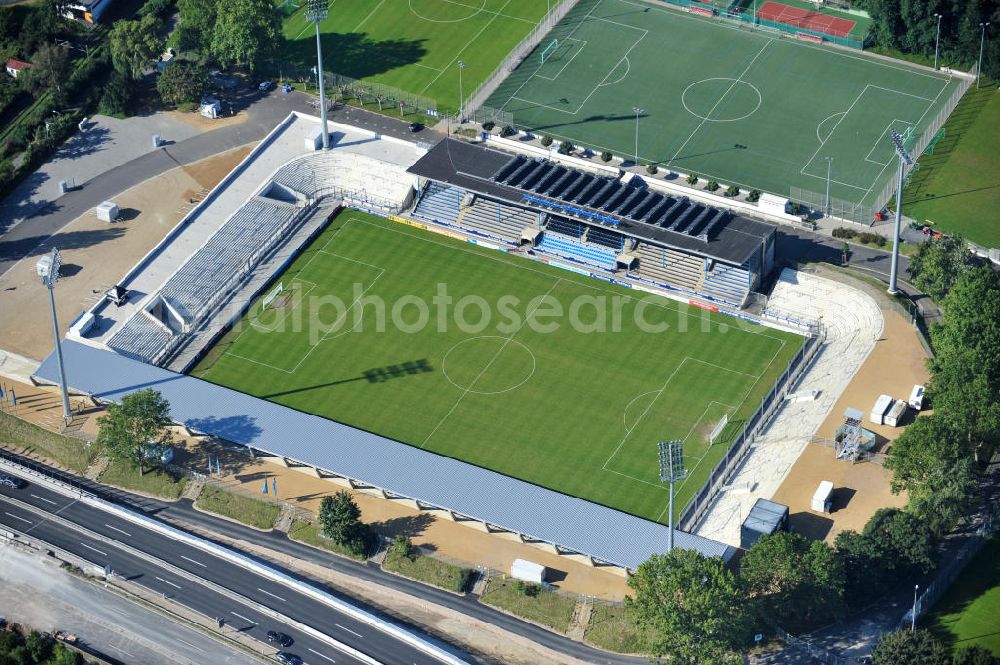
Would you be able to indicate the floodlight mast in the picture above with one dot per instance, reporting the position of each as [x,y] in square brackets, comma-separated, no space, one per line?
[316,11]
[904,161]
[49,279]
[671,470]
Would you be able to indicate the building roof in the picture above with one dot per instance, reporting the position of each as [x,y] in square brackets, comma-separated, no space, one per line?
[766,516]
[581,526]
[689,226]
[17,64]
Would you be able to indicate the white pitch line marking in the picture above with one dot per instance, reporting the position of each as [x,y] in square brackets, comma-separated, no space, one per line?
[17,518]
[323,655]
[42,498]
[272,595]
[168,582]
[95,549]
[199,563]
[118,530]
[349,630]
[244,618]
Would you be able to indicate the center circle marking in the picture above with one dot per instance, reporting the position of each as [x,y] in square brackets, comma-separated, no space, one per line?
[504,340]
[452,20]
[734,82]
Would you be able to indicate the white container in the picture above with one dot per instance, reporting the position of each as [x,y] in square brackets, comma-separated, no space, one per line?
[896,413]
[882,406]
[107,211]
[528,571]
[917,398]
[822,501]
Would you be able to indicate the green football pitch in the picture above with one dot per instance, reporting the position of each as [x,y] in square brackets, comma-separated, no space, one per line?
[413,45]
[575,402]
[728,103]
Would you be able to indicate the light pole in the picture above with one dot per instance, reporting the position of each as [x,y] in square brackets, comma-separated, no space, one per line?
[829,167]
[937,41]
[316,11]
[461,94]
[637,111]
[904,161]
[671,470]
[48,269]
[982,40]
[913,612]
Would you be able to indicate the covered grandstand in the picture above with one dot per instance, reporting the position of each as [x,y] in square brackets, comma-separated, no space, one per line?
[619,226]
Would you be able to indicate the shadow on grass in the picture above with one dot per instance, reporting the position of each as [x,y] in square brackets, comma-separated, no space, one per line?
[357,55]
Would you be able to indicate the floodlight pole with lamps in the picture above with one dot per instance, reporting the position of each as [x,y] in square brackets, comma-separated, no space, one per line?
[937,41]
[982,41]
[637,111]
[913,612]
[49,279]
[672,469]
[829,167]
[461,93]
[316,11]
[904,160]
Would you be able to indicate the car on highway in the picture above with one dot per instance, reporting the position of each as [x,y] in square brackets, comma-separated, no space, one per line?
[12,482]
[286,658]
[282,640]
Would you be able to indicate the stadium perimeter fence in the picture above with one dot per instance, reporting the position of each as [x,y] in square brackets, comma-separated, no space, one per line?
[474,101]
[865,214]
[740,446]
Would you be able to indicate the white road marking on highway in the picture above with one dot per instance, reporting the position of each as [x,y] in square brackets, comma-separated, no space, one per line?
[168,582]
[193,561]
[17,518]
[189,644]
[244,618]
[349,630]
[42,498]
[95,549]
[271,594]
[118,530]
[323,655]
[122,650]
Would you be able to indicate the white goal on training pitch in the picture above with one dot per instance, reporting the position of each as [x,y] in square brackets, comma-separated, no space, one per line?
[548,50]
[718,429]
[275,292]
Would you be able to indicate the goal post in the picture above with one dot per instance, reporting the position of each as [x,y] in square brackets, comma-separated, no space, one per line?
[717,431]
[275,292]
[549,50]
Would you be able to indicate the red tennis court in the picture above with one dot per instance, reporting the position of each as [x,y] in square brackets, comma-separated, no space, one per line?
[803,18]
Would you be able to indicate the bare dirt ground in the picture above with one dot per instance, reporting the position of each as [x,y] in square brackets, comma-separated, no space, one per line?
[96,254]
[894,366]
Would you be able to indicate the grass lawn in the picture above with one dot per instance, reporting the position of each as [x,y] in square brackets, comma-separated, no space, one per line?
[428,569]
[519,392]
[612,628]
[309,533]
[66,451]
[547,607]
[254,512]
[958,187]
[730,104]
[155,481]
[413,45]
[967,614]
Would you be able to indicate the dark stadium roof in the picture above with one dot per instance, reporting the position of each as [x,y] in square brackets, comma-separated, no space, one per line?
[633,209]
[581,526]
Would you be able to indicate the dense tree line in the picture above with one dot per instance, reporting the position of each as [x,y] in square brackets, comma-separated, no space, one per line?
[16,648]
[911,27]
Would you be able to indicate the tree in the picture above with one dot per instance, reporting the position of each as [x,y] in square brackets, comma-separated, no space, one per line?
[902,543]
[135,44]
[793,580]
[693,604]
[606,156]
[905,647]
[245,32]
[117,95]
[50,69]
[340,518]
[965,370]
[183,82]
[197,24]
[974,655]
[938,264]
[135,430]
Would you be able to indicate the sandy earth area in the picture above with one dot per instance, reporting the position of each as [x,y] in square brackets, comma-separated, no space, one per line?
[96,254]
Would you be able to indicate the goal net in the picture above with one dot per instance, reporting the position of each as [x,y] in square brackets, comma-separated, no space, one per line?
[718,429]
[275,292]
[549,50]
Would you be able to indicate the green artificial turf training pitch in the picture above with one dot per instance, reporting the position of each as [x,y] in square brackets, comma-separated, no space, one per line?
[413,45]
[525,393]
[728,103]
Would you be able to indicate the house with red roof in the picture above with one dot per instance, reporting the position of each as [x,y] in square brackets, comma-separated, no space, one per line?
[15,67]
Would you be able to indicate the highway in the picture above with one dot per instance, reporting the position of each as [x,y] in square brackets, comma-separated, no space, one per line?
[50,516]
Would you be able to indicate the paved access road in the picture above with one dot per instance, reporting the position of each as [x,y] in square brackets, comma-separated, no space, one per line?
[198,563]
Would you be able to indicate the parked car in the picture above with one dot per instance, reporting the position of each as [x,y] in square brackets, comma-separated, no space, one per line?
[416,126]
[12,482]
[282,640]
[265,86]
[288,658]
